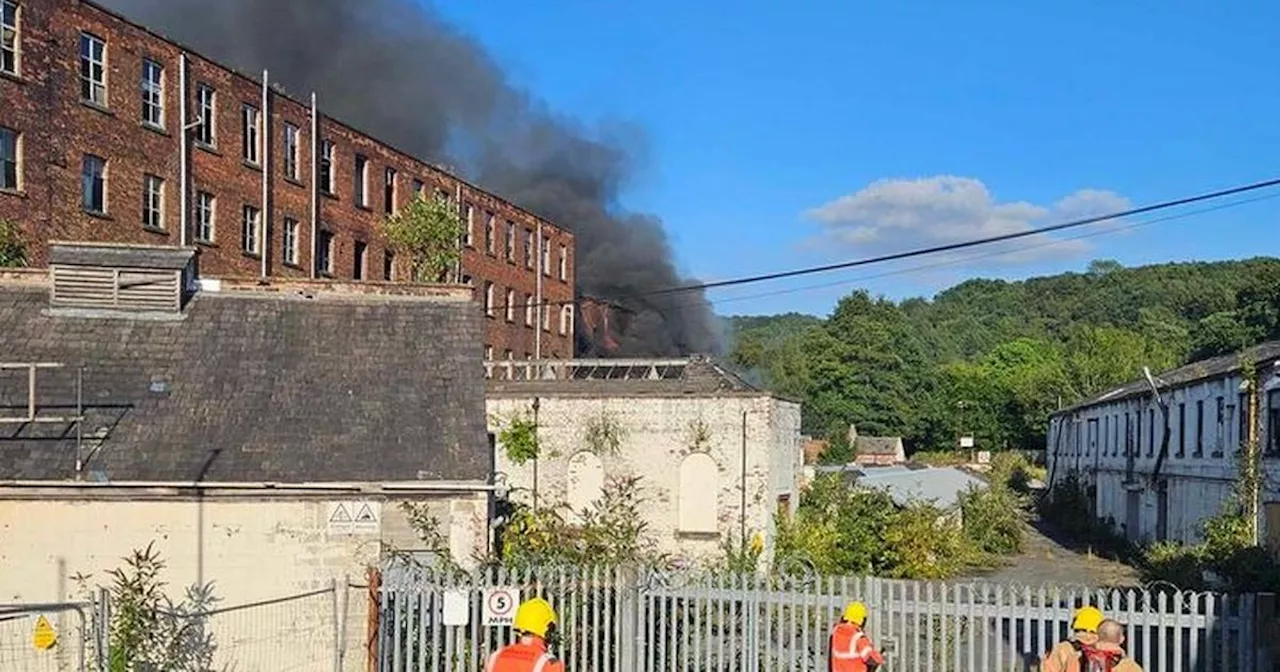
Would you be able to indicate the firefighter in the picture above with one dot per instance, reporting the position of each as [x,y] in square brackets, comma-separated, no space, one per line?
[535,623]
[1065,654]
[1108,654]
[849,648]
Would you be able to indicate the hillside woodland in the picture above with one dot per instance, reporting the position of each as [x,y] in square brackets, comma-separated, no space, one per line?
[992,359]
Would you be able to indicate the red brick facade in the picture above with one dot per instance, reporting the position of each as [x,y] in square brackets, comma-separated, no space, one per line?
[53,128]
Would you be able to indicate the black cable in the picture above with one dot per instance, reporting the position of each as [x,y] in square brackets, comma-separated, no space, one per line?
[1164,205]
[811,270]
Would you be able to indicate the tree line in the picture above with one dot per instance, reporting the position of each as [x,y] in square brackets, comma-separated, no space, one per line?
[992,358]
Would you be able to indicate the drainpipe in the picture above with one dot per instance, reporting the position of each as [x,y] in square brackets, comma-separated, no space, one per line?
[315,186]
[457,199]
[742,522]
[537,325]
[184,175]
[264,148]
[1164,415]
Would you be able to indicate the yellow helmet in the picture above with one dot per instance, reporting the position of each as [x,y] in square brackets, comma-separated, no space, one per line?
[855,613]
[1087,619]
[535,617]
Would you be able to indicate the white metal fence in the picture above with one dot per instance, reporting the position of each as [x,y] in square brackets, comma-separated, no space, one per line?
[653,621]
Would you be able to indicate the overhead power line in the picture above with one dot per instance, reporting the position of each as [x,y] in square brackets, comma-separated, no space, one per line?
[990,255]
[919,252]
[1154,207]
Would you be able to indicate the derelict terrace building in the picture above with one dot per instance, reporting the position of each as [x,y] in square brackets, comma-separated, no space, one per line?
[97,145]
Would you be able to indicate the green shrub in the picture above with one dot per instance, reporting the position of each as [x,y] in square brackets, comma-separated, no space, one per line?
[994,519]
[13,249]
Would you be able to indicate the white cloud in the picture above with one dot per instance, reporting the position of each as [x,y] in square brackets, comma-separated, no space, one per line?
[896,215]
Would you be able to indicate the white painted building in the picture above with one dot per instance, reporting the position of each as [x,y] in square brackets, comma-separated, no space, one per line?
[1113,444]
[716,457]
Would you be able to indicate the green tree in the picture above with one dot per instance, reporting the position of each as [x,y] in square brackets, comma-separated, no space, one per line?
[426,231]
[13,249]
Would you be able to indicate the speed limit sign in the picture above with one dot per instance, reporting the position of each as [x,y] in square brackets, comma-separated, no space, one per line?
[500,606]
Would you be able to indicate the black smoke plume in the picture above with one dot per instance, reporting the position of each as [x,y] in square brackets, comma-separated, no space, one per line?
[396,70]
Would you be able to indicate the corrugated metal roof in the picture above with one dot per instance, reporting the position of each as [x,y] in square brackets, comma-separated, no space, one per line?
[940,485]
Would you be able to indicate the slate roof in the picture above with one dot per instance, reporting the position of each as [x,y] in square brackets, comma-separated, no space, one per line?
[878,445]
[695,376]
[250,388]
[1263,355]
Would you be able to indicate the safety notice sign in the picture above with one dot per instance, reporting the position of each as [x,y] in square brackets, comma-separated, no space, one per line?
[500,605]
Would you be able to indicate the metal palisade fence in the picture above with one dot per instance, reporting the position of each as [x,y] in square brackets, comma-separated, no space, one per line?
[624,620]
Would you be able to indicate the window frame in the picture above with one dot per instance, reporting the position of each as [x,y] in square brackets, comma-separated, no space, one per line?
[360,181]
[153,201]
[289,248]
[203,199]
[15,160]
[488,298]
[292,151]
[249,231]
[326,167]
[11,56]
[325,252]
[101,178]
[390,176]
[91,87]
[207,115]
[510,308]
[251,152]
[153,93]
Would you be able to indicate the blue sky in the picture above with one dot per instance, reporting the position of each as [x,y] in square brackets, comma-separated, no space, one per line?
[790,134]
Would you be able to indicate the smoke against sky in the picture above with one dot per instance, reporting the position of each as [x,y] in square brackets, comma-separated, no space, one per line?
[396,70]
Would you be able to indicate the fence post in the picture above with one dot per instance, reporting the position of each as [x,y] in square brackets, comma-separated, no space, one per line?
[1266,632]
[102,629]
[371,621]
[629,643]
[344,614]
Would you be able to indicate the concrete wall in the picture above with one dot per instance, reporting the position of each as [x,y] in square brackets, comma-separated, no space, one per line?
[661,445]
[1114,446]
[54,550]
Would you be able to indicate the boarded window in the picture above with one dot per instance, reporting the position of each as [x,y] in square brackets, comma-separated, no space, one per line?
[584,481]
[699,485]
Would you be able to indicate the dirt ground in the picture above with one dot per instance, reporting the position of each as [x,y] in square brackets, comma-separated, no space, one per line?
[1045,561]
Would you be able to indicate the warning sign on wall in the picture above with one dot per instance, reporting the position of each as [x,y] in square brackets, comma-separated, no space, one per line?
[357,517]
[500,606]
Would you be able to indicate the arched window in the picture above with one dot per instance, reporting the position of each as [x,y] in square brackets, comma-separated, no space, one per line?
[699,488]
[584,481]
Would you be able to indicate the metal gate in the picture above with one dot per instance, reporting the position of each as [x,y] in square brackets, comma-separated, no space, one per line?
[618,620]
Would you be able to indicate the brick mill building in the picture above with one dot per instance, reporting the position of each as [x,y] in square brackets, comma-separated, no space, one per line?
[96,145]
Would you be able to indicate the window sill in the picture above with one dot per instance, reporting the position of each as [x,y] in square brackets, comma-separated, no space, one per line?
[330,195]
[363,207]
[703,536]
[206,243]
[99,215]
[156,230]
[289,264]
[294,181]
[158,130]
[212,149]
[97,107]
[327,275]
[251,255]
[257,167]
[15,77]
[17,193]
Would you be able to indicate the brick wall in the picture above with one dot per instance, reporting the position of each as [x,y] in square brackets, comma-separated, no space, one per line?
[43,104]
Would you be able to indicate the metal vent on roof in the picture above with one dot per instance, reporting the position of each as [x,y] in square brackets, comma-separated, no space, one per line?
[116,277]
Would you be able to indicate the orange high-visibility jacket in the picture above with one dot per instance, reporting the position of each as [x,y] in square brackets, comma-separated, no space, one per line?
[851,649]
[528,655]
